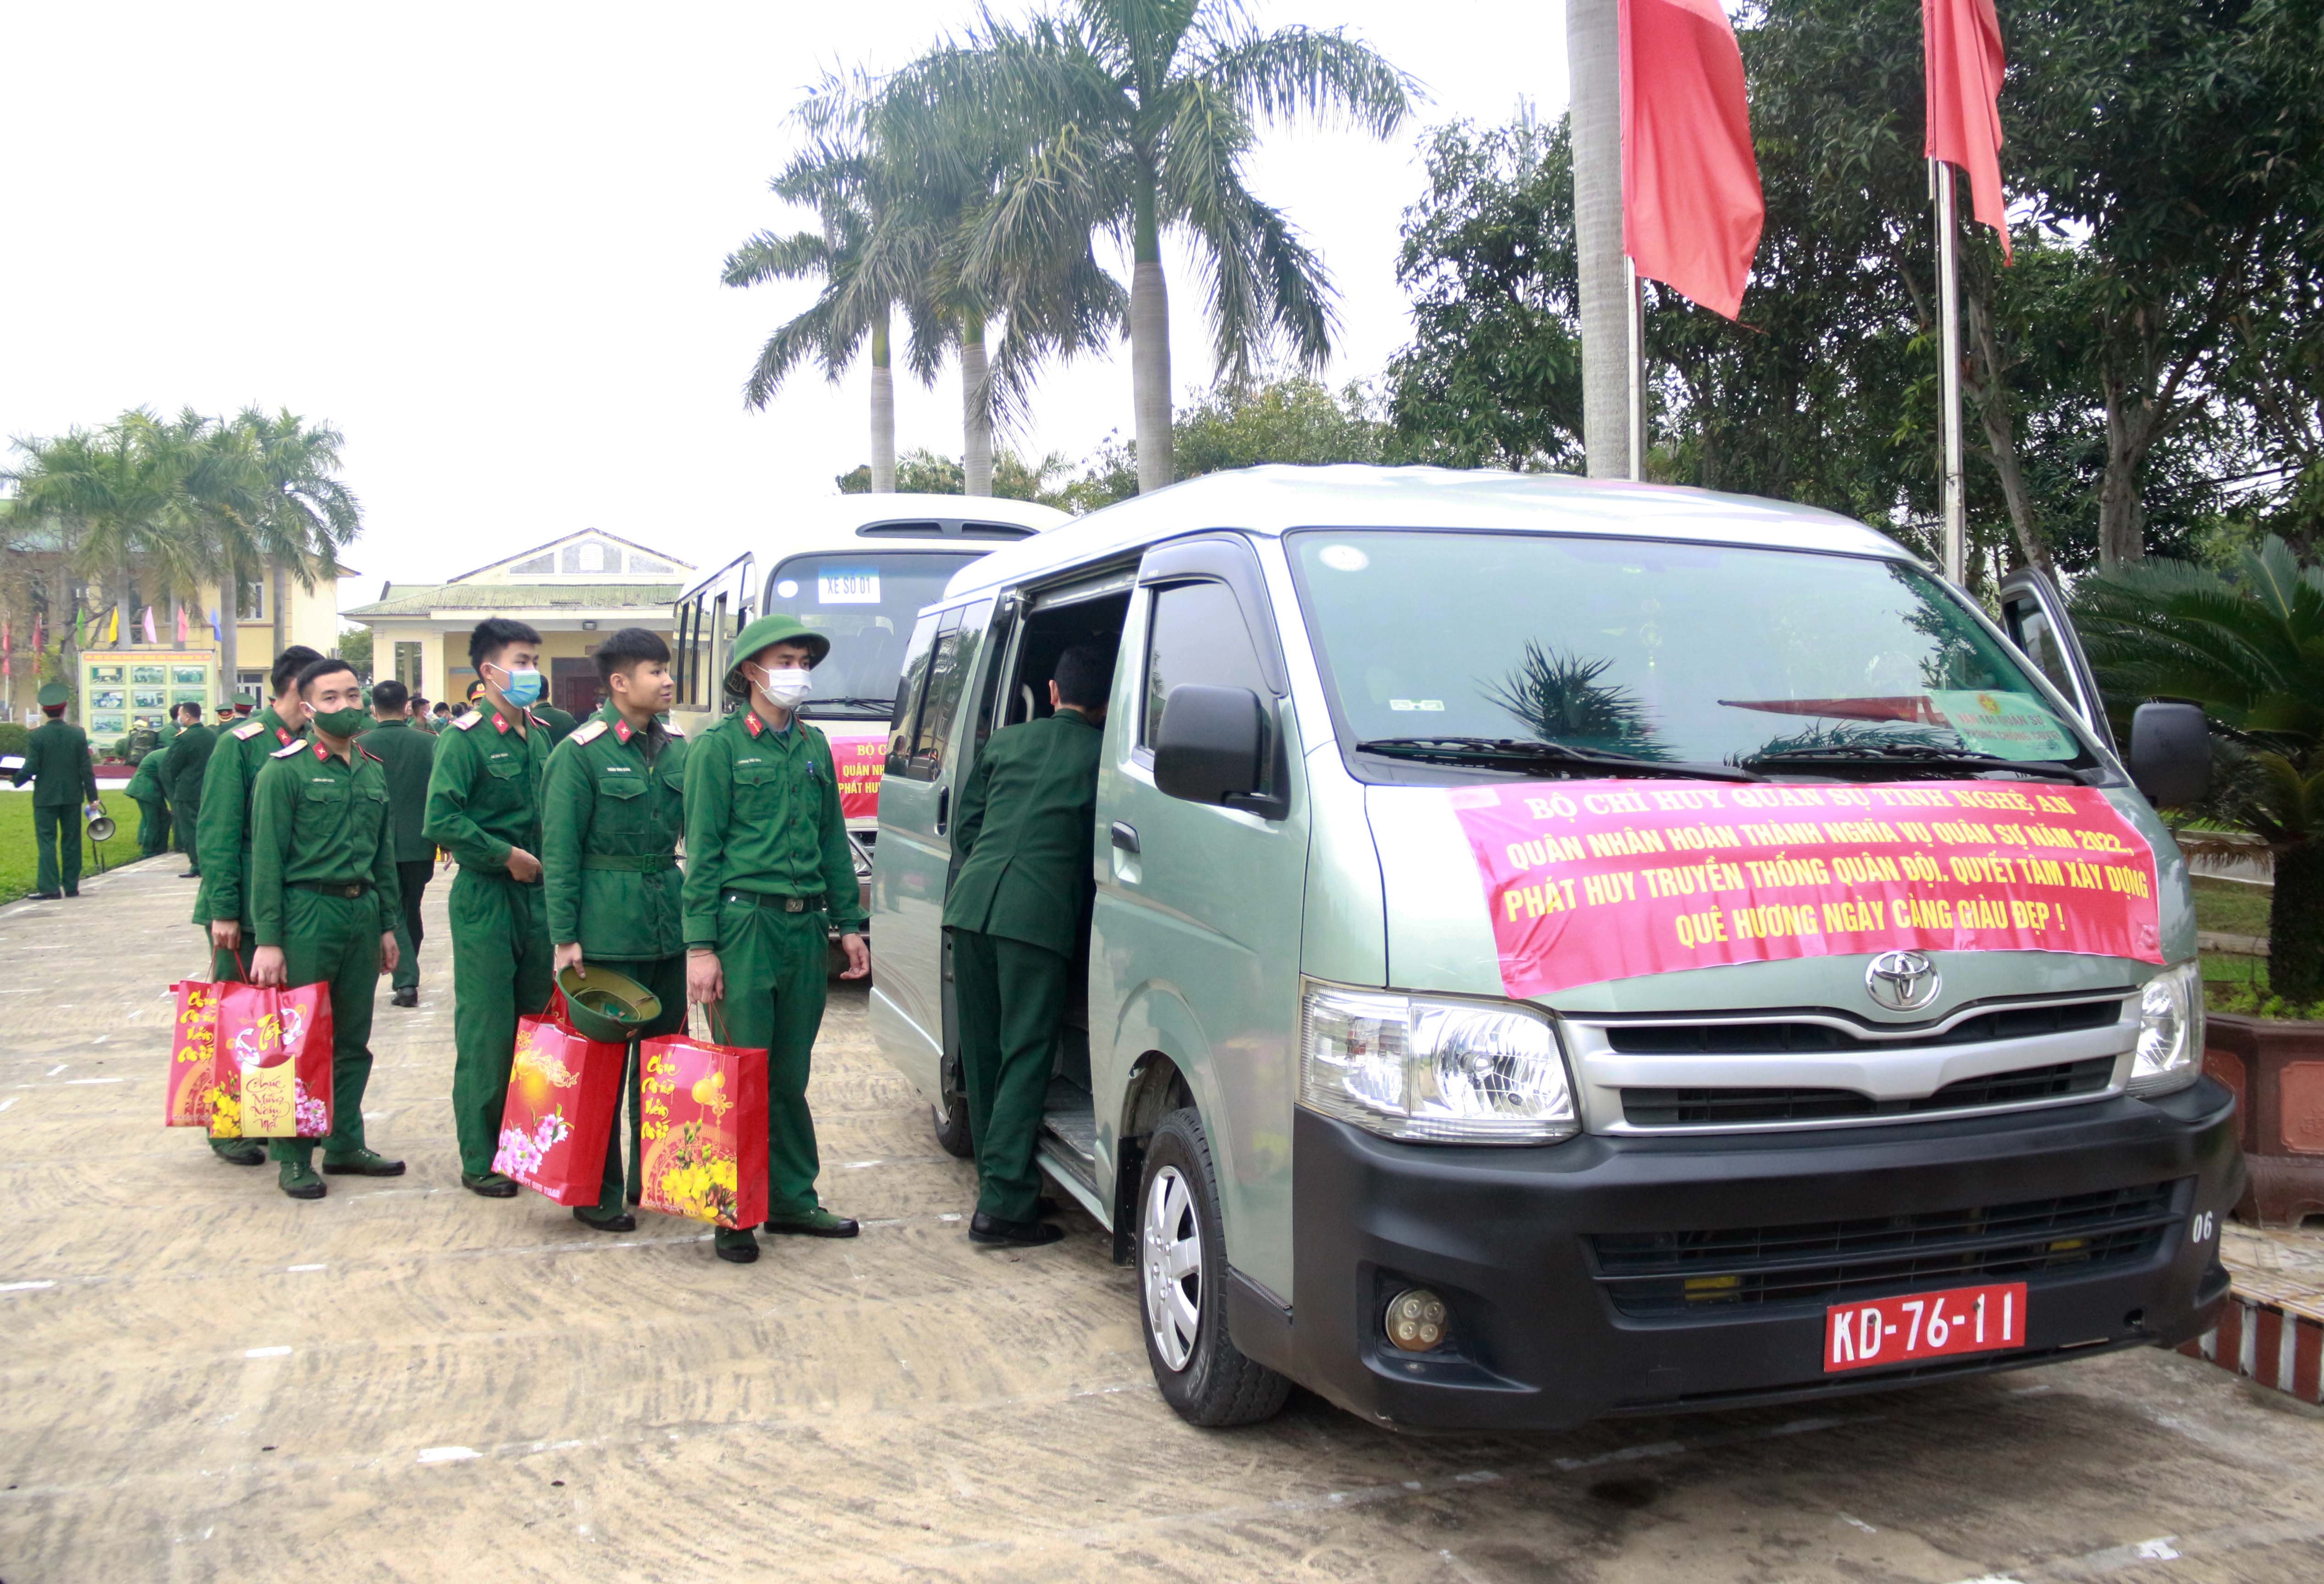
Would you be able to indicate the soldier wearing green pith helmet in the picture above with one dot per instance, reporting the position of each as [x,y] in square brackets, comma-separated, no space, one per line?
[57,763]
[767,865]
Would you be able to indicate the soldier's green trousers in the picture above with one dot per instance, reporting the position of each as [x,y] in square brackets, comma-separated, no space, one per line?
[152,827]
[1011,996]
[182,816]
[773,964]
[56,831]
[412,877]
[334,941]
[501,956]
[666,977]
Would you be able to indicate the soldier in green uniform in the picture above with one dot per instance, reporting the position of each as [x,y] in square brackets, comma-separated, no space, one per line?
[322,884]
[484,808]
[766,860]
[57,763]
[222,826]
[1018,901]
[560,723]
[409,754]
[188,761]
[417,713]
[611,819]
[141,741]
[153,801]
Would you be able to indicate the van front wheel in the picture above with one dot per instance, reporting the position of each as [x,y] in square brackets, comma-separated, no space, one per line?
[950,1118]
[1182,1262]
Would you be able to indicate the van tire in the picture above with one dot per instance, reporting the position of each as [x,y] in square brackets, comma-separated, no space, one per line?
[1213,1385]
[949,1116]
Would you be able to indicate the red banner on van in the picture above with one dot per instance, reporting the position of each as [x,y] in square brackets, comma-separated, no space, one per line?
[859,760]
[1608,880]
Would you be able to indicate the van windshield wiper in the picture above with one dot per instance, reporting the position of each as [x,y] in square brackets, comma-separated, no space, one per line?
[1832,756]
[847,701]
[1518,753]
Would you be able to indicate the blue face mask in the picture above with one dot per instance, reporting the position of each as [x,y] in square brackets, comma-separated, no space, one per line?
[522,687]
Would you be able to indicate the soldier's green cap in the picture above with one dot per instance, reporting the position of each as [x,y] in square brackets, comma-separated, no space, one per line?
[54,693]
[776,627]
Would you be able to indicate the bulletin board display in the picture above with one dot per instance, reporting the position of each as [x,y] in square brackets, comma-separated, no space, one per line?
[119,687]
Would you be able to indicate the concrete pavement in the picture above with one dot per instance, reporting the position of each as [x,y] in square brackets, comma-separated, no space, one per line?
[204,1380]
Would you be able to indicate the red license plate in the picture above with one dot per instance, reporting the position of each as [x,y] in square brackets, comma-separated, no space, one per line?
[1924,1324]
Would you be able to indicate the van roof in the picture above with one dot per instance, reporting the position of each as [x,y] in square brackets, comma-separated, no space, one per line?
[804,525]
[1276,499]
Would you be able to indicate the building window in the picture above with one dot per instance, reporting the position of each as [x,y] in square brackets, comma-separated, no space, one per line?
[540,563]
[250,685]
[252,606]
[646,564]
[407,664]
[590,556]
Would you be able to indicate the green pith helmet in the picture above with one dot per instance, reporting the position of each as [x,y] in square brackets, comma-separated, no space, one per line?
[775,628]
[53,694]
[607,1005]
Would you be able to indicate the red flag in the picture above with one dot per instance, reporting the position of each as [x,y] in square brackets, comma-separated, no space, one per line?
[1961,55]
[1691,203]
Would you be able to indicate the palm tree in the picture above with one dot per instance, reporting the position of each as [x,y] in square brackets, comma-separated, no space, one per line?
[2247,644]
[1131,118]
[112,492]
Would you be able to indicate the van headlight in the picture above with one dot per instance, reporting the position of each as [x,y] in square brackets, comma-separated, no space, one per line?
[2169,1031]
[1406,1066]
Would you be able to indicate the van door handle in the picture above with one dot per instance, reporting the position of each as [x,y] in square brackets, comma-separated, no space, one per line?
[944,809]
[1125,836]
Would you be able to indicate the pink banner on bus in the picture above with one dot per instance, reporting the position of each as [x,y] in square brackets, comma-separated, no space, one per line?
[1604,880]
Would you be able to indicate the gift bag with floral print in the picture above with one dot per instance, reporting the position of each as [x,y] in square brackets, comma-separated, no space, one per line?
[704,1111]
[563,1094]
[193,1053]
[272,1067]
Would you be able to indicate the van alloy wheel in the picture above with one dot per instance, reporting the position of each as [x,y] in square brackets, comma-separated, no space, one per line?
[1172,1258]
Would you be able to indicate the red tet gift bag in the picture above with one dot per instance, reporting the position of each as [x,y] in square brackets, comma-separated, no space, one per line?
[703,1126]
[562,1096]
[193,1053]
[273,1062]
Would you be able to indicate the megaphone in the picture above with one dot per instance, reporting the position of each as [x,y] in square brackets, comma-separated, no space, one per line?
[100,827]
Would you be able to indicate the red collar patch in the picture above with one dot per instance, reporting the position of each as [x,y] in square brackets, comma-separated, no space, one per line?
[283,734]
[750,722]
[621,732]
[500,722]
[321,752]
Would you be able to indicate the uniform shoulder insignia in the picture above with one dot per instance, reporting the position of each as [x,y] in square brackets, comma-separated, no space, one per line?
[249,728]
[288,750]
[587,734]
[367,754]
[672,729]
[468,722]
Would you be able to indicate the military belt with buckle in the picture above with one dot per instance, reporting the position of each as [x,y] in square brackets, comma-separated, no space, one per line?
[781,904]
[346,889]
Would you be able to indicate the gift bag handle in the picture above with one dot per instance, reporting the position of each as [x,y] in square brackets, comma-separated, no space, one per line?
[233,961]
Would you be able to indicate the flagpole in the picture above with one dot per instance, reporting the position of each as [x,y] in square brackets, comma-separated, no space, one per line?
[1949,373]
[1634,318]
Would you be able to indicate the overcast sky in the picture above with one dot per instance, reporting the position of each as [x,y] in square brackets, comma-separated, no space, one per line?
[485,240]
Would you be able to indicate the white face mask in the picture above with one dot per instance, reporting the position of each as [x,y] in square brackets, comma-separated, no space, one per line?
[783,689]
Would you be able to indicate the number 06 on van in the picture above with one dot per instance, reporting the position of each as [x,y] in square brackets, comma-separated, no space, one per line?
[1924,1324]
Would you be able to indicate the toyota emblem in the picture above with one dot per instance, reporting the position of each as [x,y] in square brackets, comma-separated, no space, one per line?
[1902,981]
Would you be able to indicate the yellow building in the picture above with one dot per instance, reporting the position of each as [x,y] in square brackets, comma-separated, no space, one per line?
[573,591]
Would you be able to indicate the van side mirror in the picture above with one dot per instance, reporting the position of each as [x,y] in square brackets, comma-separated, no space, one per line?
[2169,753]
[1211,747]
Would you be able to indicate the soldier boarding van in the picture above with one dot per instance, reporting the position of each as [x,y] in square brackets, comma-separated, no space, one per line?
[1565,948]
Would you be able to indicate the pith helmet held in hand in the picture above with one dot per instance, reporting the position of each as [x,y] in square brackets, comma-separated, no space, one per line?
[776,627]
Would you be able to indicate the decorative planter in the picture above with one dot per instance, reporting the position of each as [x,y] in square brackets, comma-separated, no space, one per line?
[2276,1070]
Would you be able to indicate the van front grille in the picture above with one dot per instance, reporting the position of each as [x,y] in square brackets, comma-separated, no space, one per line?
[1662,1274]
[1731,1107]
[1750,1038]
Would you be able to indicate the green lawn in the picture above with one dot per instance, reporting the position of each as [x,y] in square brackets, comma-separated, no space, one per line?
[2231,909]
[16,865]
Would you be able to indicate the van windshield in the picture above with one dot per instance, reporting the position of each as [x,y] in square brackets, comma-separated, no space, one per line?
[1477,649]
[865,601]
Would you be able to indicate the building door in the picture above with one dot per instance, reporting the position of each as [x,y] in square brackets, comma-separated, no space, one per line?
[573,687]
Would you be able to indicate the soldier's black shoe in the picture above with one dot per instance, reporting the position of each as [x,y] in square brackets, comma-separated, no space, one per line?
[47,896]
[72,893]
[191,875]
[737,1247]
[984,1228]
[362,1163]
[299,1181]
[598,1220]
[239,1152]
[407,996]
[816,1223]
[490,1184]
